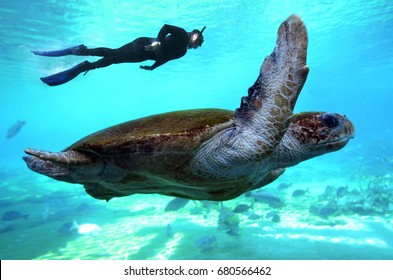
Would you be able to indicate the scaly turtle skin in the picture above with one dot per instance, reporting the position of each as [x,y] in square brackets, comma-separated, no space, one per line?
[207,154]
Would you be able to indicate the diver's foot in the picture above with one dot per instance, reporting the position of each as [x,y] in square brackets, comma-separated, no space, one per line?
[76,50]
[67,75]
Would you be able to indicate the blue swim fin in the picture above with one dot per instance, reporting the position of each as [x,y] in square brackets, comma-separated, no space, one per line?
[69,51]
[65,76]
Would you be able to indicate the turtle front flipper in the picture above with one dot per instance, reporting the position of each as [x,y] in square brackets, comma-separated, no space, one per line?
[264,115]
[65,166]
[266,110]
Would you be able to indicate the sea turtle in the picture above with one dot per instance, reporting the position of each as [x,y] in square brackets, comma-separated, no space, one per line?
[207,154]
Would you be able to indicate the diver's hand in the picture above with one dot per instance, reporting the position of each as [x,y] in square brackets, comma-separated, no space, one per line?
[153,46]
[146,67]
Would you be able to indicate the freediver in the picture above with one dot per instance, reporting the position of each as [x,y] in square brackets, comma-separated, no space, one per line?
[171,43]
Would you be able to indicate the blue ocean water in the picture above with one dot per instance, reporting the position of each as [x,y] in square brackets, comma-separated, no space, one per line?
[351,64]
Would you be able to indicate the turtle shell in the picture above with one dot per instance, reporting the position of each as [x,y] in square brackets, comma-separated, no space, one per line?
[180,131]
[154,150]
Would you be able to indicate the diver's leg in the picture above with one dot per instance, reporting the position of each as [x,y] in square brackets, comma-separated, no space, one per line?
[104,52]
[134,51]
[127,53]
[80,50]
[69,51]
[103,62]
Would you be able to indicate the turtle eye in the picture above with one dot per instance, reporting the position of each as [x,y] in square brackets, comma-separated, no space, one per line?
[330,120]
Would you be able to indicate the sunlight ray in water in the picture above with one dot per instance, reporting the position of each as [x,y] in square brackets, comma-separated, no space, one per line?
[169,248]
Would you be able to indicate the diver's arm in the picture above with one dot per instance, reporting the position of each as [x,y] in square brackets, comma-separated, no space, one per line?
[170,29]
[154,66]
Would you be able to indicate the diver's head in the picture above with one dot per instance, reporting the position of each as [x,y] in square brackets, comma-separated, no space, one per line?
[196,38]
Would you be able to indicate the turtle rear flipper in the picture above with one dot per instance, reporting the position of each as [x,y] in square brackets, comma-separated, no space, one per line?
[65,166]
[99,191]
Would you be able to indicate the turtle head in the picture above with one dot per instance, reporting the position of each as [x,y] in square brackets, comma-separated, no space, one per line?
[313,134]
[319,132]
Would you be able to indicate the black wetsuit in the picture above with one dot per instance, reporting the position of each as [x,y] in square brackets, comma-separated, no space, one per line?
[171,43]
[172,46]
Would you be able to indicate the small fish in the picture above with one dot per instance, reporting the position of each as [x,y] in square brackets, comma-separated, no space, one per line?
[298,192]
[266,197]
[361,210]
[241,208]
[176,203]
[341,191]
[273,216]
[254,217]
[228,221]
[14,215]
[276,218]
[169,231]
[206,243]
[283,186]
[14,129]
[5,227]
[326,211]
